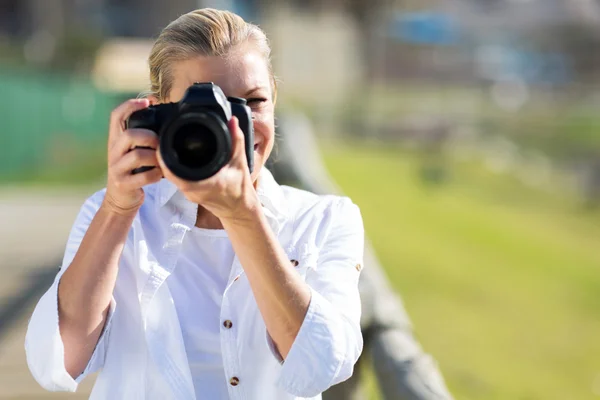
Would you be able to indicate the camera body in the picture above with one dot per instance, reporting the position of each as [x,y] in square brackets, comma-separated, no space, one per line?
[195,141]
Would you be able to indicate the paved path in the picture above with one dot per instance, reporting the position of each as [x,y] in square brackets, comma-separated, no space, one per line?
[34,226]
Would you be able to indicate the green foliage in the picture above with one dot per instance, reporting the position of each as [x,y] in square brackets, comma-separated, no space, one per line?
[563,125]
[76,50]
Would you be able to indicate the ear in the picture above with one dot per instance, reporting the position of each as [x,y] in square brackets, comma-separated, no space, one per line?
[153,99]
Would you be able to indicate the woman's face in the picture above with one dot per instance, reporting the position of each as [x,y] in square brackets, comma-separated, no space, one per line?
[243,73]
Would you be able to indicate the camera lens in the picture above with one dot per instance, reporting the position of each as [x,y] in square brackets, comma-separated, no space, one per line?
[195,145]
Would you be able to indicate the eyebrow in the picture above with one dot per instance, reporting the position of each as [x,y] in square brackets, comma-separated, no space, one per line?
[256,89]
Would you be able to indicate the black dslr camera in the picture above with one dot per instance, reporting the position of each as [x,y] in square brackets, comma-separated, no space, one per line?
[195,142]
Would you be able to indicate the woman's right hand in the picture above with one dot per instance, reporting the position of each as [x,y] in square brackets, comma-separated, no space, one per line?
[124,193]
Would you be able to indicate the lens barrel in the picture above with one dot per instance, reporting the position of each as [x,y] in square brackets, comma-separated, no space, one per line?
[196,145]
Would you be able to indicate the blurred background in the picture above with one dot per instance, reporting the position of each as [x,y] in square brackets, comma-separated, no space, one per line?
[466,130]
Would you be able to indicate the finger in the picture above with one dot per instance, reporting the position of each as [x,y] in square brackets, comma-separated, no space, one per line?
[237,141]
[136,181]
[136,158]
[132,138]
[120,114]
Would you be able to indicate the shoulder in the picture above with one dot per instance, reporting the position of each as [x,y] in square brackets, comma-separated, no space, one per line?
[324,225]
[304,205]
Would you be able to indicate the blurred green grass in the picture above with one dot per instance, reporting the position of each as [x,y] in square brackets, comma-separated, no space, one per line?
[501,281]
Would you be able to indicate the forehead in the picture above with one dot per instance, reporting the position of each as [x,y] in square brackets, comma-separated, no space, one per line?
[236,74]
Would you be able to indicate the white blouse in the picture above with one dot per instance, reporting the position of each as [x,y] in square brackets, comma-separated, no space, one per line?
[141,353]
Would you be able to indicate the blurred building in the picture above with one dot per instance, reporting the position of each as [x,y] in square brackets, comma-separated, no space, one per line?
[462,41]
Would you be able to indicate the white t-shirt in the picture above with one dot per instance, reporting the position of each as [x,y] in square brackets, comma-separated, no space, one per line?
[197,285]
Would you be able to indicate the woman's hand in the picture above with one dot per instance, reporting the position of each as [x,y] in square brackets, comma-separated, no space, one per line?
[229,194]
[124,193]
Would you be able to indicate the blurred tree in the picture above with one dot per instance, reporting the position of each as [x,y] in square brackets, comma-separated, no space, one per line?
[578,42]
[587,11]
[372,17]
[9,12]
[76,49]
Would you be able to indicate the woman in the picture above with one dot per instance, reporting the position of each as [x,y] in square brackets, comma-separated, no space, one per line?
[231,287]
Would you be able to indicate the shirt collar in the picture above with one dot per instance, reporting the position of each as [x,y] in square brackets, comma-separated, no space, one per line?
[269,193]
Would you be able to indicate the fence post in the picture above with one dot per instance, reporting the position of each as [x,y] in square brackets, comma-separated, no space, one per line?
[403,371]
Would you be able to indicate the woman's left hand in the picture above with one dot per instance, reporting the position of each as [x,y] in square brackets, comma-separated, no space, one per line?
[229,194]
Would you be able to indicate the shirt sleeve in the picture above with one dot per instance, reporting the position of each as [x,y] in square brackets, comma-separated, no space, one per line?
[329,341]
[43,343]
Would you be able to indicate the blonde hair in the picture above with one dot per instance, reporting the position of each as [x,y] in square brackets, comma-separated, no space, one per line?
[203,32]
